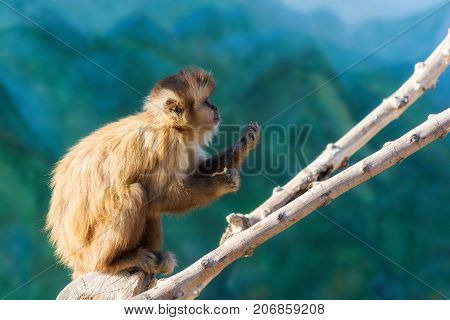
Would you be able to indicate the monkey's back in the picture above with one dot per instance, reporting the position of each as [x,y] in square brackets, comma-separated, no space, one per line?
[87,183]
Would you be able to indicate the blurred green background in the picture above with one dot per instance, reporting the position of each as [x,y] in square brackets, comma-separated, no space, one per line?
[264,55]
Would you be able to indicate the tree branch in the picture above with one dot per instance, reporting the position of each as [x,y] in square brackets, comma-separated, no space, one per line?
[96,286]
[337,154]
[249,231]
[188,283]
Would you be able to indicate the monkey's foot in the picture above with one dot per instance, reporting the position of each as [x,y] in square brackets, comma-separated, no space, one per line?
[146,261]
[158,262]
[167,262]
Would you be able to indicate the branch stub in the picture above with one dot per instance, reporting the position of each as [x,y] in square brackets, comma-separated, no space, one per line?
[281,216]
[414,138]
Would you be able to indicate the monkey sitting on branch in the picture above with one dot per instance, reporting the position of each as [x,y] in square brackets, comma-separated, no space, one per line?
[110,190]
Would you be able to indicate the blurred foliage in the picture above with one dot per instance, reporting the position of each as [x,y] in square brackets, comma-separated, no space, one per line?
[264,58]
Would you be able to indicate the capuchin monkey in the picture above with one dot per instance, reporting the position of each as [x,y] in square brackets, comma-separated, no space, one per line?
[110,190]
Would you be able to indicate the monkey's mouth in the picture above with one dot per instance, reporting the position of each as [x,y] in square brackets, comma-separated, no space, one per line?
[216,118]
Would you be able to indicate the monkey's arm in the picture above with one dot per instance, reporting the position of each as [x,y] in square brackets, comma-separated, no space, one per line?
[232,157]
[200,189]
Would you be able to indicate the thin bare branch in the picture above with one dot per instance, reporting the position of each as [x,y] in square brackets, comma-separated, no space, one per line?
[188,283]
[337,154]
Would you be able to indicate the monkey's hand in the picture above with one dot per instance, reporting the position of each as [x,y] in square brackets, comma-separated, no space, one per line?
[250,138]
[201,189]
[229,178]
[235,155]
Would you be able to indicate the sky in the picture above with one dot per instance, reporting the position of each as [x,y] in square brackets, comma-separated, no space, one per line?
[354,11]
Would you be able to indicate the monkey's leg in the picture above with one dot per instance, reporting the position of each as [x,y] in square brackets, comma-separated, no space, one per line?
[235,155]
[152,241]
[200,189]
[116,243]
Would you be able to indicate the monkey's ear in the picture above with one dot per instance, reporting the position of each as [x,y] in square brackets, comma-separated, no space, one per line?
[174,107]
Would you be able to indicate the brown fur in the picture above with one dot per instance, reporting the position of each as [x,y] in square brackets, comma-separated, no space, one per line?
[110,189]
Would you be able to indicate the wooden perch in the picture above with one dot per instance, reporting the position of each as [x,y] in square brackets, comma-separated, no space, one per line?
[95,286]
[188,283]
[337,154]
[246,232]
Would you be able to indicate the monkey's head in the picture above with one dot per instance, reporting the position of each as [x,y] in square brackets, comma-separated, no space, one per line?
[182,101]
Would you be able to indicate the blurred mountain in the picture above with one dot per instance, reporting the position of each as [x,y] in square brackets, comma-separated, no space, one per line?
[54,90]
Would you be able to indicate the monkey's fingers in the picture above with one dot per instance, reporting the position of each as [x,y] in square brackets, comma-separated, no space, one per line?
[232,179]
[253,131]
[251,137]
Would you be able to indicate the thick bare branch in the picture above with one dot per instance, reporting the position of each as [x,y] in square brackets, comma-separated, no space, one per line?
[188,283]
[337,154]
[100,286]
